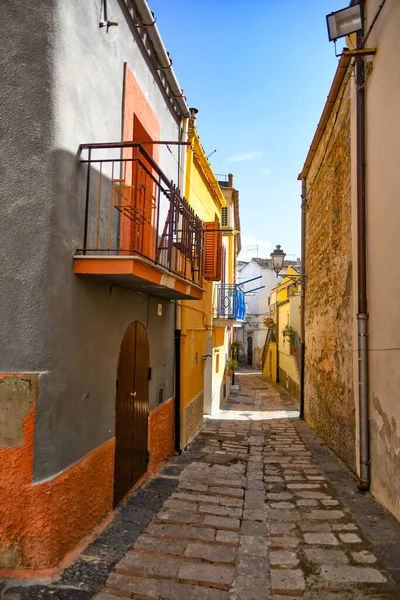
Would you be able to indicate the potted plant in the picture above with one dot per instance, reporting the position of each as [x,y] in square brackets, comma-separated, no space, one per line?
[237,344]
[269,322]
[290,333]
[231,365]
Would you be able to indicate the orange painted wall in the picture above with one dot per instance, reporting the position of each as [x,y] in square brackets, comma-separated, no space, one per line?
[139,124]
[161,432]
[40,523]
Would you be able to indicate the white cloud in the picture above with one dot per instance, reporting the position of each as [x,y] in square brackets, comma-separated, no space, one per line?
[250,246]
[244,156]
[266,172]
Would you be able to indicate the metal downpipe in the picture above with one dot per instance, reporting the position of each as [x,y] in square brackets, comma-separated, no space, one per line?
[303,293]
[362,315]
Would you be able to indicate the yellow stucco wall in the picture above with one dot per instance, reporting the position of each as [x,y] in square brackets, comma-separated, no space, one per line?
[269,371]
[205,197]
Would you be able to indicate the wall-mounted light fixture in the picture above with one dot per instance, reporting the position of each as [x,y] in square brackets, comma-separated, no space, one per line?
[278,257]
[344,22]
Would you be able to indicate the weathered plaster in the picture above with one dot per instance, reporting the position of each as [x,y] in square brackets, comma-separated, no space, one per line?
[161,432]
[16,397]
[39,524]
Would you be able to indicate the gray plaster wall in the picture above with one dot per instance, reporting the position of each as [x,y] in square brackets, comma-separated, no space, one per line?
[64,87]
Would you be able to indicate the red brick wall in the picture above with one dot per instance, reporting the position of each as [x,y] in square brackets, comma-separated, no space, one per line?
[329,396]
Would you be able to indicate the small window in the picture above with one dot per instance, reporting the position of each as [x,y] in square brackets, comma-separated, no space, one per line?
[217,362]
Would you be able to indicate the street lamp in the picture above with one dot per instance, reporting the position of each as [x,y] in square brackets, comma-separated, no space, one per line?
[277,256]
[344,22]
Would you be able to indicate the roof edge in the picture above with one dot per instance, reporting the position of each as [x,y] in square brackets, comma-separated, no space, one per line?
[326,113]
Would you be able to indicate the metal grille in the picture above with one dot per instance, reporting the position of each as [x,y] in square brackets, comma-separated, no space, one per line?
[132,208]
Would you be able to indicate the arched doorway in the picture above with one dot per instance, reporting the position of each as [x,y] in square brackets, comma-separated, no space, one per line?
[250,351]
[131,410]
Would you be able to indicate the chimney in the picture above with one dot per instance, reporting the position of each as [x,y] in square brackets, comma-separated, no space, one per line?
[193,113]
[230,180]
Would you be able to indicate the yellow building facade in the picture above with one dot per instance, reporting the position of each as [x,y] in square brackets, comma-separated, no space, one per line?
[282,351]
[204,339]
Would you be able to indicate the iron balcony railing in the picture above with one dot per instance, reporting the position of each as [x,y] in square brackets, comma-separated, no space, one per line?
[230,302]
[132,208]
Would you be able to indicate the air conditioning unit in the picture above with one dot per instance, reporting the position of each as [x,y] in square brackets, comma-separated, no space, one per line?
[226,217]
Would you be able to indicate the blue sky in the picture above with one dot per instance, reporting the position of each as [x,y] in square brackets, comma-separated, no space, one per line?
[259,72]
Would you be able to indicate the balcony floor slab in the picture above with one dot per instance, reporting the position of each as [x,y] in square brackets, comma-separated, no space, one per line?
[136,273]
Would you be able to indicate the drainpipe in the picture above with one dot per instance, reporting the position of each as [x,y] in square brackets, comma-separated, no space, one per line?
[177,340]
[362,315]
[303,293]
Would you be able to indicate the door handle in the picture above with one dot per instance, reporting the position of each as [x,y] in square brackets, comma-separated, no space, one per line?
[133,394]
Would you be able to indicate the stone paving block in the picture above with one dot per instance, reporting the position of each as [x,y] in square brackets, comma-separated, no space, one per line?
[283,541]
[325,515]
[313,495]
[227,537]
[181,531]
[279,496]
[221,575]
[191,485]
[248,588]
[281,505]
[283,558]
[315,526]
[364,557]
[136,562]
[287,581]
[221,522]
[226,511]
[281,528]
[161,545]
[178,516]
[254,499]
[347,574]
[180,505]
[258,514]
[159,588]
[305,502]
[284,514]
[255,484]
[350,538]
[303,486]
[227,491]
[236,502]
[214,553]
[344,527]
[253,528]
[194,498]
[253,567]
[326,556]
[253,545]
[321,539]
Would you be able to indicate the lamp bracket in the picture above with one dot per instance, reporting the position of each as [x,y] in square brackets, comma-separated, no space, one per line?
[302,279]
[360,52]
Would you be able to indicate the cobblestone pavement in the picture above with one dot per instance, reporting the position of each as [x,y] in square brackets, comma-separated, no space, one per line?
[247,513]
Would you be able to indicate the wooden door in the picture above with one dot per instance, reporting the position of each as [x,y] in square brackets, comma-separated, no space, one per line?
[132,410]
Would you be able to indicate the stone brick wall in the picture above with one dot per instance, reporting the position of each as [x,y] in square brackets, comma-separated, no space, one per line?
[329,394]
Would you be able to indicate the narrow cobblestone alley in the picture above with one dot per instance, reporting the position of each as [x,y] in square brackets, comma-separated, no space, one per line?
[247,513]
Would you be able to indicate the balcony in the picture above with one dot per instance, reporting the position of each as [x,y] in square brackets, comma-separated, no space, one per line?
[230,307]
[138,231]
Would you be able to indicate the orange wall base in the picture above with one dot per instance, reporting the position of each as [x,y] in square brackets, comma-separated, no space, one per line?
[161,432]
[41,523]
